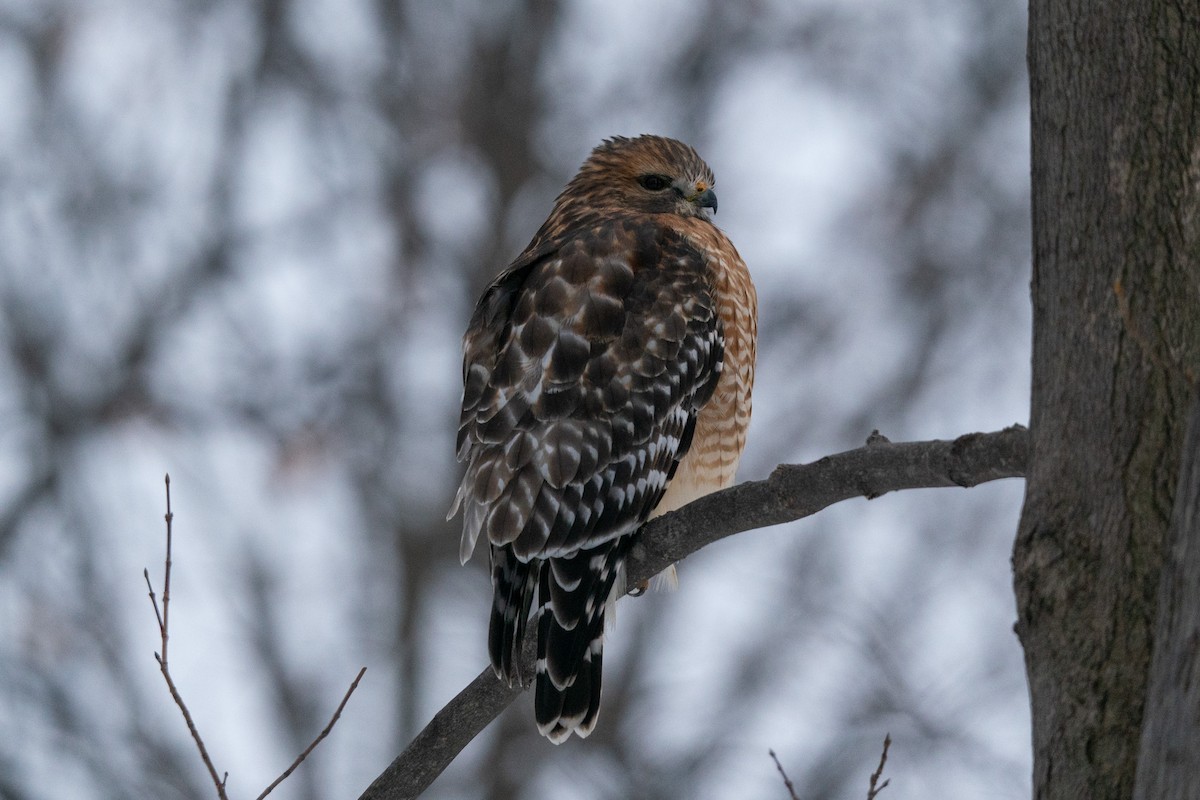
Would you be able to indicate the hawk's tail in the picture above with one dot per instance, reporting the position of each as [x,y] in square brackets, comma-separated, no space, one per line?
[513,584]
[573,593]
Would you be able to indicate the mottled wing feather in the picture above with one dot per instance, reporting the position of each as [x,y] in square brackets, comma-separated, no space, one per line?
[583,372]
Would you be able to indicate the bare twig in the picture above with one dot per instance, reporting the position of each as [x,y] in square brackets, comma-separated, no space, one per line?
[786,780]
[153,600]
[325,732]
[169,517]
[873,789]
[793,491]
[161,658]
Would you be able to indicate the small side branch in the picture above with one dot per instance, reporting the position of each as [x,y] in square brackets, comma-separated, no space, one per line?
[324,732]
[792,492]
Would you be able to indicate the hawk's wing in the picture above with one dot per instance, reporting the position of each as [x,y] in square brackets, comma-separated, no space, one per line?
[585,366]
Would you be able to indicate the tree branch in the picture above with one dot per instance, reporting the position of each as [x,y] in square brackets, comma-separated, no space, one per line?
[320,736]
[787,782]
[875,787]
[792,492]
[161,658]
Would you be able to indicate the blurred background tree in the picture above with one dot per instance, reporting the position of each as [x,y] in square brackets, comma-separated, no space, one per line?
[239,242]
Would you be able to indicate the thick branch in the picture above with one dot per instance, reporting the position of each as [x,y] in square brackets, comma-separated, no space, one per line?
[793,491]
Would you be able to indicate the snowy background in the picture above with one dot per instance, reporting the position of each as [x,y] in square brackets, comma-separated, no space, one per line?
[239,242]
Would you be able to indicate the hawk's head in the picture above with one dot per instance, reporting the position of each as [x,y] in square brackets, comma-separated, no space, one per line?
[650,174]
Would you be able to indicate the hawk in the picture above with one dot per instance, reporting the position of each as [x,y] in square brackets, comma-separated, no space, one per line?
[606,380]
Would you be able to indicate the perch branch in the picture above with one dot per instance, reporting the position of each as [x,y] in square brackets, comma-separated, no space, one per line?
[793,491]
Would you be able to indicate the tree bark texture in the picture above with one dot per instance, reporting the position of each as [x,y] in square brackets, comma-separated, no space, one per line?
[1116,342]
[1170,748]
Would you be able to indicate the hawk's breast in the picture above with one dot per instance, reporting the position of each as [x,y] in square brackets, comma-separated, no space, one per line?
[721,425]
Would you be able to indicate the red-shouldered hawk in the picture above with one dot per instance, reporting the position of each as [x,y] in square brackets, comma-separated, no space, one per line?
[607,375]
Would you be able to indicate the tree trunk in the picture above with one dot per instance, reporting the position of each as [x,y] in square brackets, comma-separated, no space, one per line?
[1170,750]
[1116,341]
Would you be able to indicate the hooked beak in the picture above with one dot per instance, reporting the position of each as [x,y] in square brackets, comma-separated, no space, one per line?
[706,199]
[699,194]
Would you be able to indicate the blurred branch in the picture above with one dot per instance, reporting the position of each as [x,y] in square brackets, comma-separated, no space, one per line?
[36,489]
[161,657]
[792,492]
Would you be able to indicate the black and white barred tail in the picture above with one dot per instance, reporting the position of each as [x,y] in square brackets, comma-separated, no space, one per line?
[573,593]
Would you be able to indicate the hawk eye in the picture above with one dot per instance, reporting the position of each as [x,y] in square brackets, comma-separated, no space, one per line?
[655,183]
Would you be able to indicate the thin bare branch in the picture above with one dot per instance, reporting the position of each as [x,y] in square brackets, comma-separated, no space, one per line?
[219,782]
[786,780]
[324,732]
[153,600]
[192,729]
[161,658]
[166,600]
[875,787]
[793,491]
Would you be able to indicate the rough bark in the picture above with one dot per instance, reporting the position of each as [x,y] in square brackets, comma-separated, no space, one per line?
[1170,748]
[1116,316]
